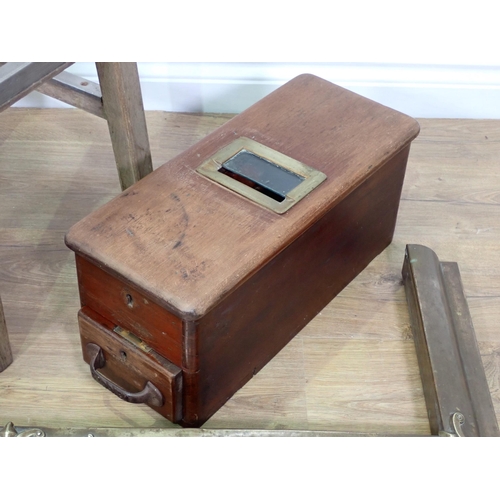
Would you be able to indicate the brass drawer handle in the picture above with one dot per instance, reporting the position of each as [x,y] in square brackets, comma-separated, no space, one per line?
[149,395]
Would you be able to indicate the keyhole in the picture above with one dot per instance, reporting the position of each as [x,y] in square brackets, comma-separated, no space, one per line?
[129,300]
[123,355]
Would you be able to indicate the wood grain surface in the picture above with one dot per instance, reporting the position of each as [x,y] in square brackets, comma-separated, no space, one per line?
[241,334]
[122,105]
[198,241]
[353,367]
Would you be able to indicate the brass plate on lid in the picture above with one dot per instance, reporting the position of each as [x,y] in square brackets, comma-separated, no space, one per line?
[261,174]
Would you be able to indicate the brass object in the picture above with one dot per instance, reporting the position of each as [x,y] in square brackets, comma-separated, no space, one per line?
[457,420]
[133,339]
[10,431]
[180,432]
[311,178]
[455,386]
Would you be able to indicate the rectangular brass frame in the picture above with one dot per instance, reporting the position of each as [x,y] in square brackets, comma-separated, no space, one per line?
[312,177]
[455,386]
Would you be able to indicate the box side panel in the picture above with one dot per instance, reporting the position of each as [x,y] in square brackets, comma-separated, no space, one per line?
[250,326]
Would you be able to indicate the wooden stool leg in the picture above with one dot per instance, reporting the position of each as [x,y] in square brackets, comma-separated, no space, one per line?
[123,107]
[5,350]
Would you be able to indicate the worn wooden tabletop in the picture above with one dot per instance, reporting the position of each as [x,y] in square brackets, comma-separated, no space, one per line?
[352,368]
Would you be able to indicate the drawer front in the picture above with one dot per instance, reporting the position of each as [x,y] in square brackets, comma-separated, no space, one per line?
[128,367]
[125,306]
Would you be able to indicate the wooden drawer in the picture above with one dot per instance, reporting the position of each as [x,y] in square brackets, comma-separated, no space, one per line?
[125,306]
[128,367]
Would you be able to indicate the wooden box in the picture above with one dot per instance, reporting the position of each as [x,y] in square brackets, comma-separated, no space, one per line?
[195,277]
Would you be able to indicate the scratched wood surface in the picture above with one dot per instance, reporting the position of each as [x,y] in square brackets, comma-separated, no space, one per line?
[352,368]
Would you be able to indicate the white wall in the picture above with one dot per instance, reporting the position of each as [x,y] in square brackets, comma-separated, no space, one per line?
[420,90]
[431,58]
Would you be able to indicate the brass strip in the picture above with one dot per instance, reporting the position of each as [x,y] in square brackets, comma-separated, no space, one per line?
[178,432]
[455,386]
